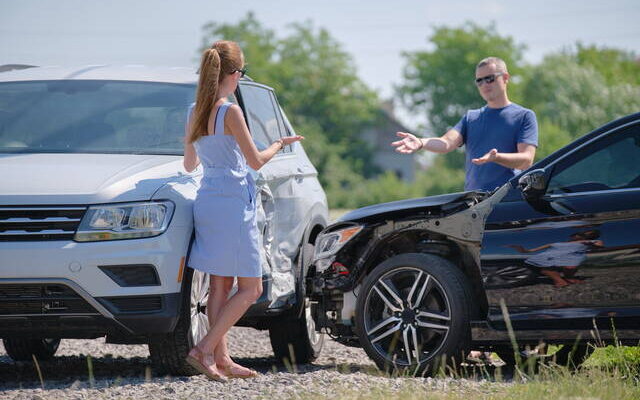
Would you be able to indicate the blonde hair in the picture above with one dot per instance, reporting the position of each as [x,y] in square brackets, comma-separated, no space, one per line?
[223,58]
[501,66]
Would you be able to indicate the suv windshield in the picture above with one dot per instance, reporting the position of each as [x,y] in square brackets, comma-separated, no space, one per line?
[93,116]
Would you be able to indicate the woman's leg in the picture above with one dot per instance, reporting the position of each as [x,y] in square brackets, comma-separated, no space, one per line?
[219,288]
[569,273]
[249,290]
[555,277]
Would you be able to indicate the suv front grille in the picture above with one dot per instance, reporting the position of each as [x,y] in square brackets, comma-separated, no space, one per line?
[20,223]
[42,299]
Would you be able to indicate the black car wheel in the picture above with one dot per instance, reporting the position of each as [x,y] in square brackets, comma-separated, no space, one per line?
[294,338]
[413,312]
[168,351]
[20,349]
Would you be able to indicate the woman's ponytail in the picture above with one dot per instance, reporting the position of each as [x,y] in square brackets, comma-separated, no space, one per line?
[206,93]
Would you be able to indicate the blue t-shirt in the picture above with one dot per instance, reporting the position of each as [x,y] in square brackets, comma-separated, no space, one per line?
[494,128]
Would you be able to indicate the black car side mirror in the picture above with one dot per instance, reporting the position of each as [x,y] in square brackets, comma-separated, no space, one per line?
[533,184]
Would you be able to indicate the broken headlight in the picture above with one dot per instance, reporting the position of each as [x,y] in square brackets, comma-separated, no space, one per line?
[329,243]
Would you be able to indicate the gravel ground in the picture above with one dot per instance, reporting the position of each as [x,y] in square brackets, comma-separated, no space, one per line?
[124,371]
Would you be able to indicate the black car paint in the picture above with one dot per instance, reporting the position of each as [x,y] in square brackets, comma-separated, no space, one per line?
[537,309]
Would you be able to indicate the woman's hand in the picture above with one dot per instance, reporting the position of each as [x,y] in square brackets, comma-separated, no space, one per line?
[408,144]
[287,140]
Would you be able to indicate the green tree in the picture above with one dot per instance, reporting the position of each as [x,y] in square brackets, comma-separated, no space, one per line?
[439,82]
[568,91]
[316,83]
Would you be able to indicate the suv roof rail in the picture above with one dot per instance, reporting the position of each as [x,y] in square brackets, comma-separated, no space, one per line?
[11,67]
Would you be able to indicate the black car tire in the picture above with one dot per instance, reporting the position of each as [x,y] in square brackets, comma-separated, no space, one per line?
[20,349]
[168,351]
[436,308]
[293,337]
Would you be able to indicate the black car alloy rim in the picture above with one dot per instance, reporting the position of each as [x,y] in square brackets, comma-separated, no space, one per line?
[407,316]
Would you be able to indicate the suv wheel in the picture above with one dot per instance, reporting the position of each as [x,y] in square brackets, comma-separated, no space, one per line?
[413,312]
[294,339]
[20,349]
[168,351]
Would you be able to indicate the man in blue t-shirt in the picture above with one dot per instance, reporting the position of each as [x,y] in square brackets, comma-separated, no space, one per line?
[500,138]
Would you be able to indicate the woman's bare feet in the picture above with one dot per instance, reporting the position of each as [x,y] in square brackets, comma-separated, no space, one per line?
[205,364]
[232,370]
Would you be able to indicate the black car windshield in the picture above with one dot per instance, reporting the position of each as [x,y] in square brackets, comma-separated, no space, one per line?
[93,116]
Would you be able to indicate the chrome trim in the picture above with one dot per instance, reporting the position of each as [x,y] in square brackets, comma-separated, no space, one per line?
[27,233]
[77,288]
[578,194]
[61,208]
[51,219]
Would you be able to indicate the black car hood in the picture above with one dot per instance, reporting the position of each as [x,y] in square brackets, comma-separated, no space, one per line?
[395,208]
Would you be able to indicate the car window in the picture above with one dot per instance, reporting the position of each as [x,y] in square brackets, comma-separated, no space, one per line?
[261,115]
[93,116]
[608,163]
[281,125]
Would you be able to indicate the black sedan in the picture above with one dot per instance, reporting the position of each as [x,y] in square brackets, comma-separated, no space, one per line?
[554,254]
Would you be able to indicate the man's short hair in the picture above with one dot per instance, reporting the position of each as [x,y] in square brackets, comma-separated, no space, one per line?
[501,66]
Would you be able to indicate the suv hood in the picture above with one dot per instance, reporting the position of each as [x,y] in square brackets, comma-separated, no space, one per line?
[395,209]
[29,179]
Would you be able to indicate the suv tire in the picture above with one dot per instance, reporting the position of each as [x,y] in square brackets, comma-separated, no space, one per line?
[168,351]
[20,349]
[294,338]
[413,312]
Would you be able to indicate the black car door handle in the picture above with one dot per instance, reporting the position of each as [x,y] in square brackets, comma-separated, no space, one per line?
[562,206]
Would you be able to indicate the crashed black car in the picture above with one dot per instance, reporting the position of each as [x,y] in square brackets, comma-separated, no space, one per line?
[555,253]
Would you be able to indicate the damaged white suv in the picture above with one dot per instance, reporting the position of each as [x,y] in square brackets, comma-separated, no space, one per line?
[96,215]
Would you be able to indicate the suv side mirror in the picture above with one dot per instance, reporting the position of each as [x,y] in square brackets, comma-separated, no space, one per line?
[533,184]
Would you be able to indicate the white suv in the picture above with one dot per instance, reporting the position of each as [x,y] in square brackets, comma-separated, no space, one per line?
[96,214]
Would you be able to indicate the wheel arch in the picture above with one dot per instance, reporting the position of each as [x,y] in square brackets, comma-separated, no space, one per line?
[427,242]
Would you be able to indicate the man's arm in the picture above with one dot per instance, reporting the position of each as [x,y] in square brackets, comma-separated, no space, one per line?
[520,160]
[409,143]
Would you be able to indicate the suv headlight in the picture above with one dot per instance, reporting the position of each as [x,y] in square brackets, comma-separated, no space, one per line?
[124,221]
[329,243]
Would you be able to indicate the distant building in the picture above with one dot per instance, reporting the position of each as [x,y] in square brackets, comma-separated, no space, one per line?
[380,135]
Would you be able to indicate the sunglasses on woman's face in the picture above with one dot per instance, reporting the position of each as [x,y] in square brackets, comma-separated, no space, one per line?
[487,79]
[242,71]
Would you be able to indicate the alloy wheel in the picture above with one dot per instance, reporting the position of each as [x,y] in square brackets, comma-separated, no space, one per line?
[407,316]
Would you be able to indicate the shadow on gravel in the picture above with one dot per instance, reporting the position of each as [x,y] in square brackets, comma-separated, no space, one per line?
[74,371]
[65,370]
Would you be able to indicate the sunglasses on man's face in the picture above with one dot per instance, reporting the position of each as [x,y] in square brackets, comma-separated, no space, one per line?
[242,71]
[487,79]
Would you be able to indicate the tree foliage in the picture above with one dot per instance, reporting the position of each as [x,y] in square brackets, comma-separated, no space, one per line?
[317,85]
[577,91]
[572,92]
[440,83]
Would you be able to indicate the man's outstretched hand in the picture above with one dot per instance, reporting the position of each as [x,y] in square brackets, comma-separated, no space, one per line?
[491,156]
[408,144]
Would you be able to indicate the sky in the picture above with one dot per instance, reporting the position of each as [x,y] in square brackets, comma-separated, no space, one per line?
[374,32]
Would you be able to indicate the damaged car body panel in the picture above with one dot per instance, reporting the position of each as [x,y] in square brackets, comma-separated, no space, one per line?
[448,225]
